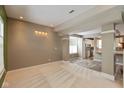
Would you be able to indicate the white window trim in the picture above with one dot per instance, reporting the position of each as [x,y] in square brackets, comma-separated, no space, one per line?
[69,46]
[1,20]
[1,36]
[99,44]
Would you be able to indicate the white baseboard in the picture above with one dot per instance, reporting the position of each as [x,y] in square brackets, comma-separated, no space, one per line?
[108,76]
[1,74]
[4,79]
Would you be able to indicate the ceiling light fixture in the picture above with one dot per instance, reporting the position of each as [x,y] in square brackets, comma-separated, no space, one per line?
[21,17]
[40,33]
[36,32]
[46,34]
[43,33]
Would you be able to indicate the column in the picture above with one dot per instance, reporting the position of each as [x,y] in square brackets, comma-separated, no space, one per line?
[83,48]
[65,48]
[80,51]
[95,48]
[108,49]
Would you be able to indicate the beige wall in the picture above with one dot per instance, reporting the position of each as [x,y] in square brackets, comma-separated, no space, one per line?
[108,53]
[27,49]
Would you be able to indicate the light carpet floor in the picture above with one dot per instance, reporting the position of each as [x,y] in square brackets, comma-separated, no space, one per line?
[59,74]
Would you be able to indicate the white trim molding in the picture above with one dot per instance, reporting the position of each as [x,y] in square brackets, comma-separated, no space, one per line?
[1,74]
[4,78]
[108,76]
[106,32]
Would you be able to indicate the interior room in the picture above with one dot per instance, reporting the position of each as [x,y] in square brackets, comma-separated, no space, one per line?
[64,46]
[92,58]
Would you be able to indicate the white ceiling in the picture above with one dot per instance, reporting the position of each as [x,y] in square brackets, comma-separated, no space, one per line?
[93,18]
[91,32]
[46,14]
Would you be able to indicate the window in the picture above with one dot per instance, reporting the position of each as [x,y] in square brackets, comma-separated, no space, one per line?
[99,44]
[1,47]
[73,45]
[1,28]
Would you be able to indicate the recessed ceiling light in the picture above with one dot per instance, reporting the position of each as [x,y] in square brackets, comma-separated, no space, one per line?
[71,11]
[21,17]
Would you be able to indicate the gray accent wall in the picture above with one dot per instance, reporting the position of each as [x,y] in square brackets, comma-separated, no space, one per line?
[26,49]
